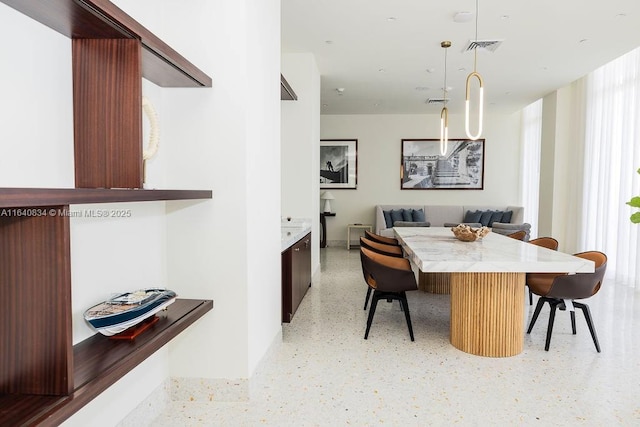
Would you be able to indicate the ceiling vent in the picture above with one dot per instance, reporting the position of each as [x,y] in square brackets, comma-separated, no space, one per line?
[437,100]
[482,45]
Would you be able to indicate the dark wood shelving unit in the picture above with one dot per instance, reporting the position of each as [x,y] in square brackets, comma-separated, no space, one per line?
[98,363]
[44,378]
[42,197]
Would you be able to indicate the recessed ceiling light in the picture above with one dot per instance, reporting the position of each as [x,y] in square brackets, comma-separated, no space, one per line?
[583,40]
[462,17]
[462,69]
[325,105]
[391,19]
[340,90]
[504,17]
[621,15]
[381,70]
[328,41]
[422,88]
[430,70]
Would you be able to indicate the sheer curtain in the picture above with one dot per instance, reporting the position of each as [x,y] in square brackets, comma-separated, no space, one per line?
[612,155]
[531,139]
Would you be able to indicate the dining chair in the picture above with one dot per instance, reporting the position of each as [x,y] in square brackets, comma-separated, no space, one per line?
[380,239]
[518,235]
[390,278]
[561,291]
[545,242]
[381,248]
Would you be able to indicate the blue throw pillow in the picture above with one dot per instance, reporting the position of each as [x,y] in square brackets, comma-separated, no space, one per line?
[406,215]
[506,217]
[396,215]
[418,215]
[496,217]
[387,219]
[485,217]
[471,217]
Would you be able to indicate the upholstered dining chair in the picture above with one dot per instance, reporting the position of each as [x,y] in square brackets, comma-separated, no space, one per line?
[380,239]
[561,290]
[545,242]
[518,235]
[390,278]
[381,248]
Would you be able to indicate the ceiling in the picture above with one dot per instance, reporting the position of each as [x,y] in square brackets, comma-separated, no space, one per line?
[386,54]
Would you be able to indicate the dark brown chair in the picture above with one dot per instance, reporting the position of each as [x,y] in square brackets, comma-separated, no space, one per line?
[545,242]
[380,239]
[390,278]
[518,235]
[381,248]
[557,288]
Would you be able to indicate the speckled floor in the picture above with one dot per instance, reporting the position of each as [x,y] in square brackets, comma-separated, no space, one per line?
[326,374]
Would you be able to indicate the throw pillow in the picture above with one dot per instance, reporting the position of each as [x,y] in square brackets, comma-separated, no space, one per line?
[472,216]
[506,217]
[387,218]
[406,215]
[418,215]
[396,215]
[496,217]
[485,217]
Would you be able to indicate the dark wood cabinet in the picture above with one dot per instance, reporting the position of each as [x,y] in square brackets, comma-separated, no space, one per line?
[296,276]
[44,378]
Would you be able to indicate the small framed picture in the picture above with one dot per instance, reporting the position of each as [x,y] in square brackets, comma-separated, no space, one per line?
[339,163]
[425,168]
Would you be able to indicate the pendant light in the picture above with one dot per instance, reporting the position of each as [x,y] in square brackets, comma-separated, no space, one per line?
[467,99]
[444,114]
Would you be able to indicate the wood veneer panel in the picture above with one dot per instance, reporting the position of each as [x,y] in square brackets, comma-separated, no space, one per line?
[35,308]
[487,313]
[107,111]
[47,197]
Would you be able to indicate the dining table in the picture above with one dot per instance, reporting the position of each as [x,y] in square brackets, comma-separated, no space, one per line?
[486,282]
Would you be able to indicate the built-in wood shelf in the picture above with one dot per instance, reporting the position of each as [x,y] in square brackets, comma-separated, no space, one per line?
[98,363]
[32,197]
[101,19]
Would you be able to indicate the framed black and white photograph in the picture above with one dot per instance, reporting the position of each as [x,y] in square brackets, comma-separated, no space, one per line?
[338,163]
[425,168]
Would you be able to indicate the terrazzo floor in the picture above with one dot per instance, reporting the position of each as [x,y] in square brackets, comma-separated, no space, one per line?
[325,374]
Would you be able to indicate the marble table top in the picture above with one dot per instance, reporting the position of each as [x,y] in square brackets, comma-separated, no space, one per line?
[435,249]
[293,230]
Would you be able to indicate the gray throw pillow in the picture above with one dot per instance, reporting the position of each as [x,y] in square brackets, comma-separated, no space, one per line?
[485,218]
[418,215]
[387,218]
[472,217]
[396,215]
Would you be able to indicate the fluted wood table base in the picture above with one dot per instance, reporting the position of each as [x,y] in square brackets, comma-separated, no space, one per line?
[435,283]
[487,313]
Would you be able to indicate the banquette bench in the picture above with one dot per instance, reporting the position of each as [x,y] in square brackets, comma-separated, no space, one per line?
[503,219]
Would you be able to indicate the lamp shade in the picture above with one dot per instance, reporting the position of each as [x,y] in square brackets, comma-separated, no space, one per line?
[327,197]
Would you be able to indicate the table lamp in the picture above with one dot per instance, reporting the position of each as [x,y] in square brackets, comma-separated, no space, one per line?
[327,196]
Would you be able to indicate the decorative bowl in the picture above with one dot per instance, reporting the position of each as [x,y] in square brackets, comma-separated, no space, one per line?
[468,234]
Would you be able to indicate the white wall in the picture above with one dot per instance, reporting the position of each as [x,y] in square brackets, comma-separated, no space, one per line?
[379,155]
[229,141]
[301,145]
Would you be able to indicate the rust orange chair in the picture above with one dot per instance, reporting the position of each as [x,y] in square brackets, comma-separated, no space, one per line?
[545,242]
[561,290]
[390,278]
